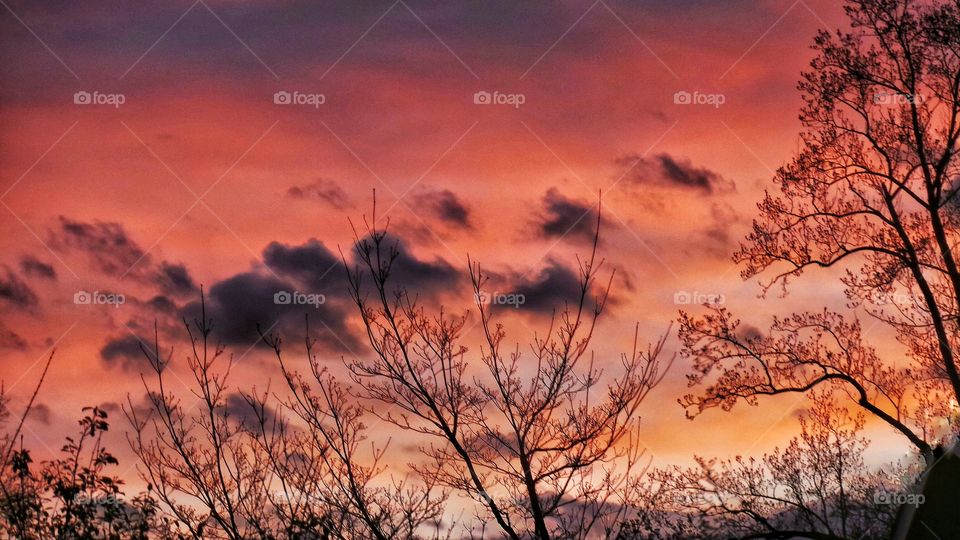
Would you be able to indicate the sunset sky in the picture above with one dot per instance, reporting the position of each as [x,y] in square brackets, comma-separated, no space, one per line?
[148,150]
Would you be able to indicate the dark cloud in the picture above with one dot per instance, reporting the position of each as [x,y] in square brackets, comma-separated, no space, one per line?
[240,304]
[14,291]
[175,279]
[424,276]
[162,304]
[313,268]
[666,170]
[10,339]
[41,412]
[426,279]
[268,297]
[310,263]
[245,413]
[126,353]
[114,253]
[749,332]
[324,190]
[108,245]
[34,267]
[555,287]
[567,218]
[111,407]
[447,207]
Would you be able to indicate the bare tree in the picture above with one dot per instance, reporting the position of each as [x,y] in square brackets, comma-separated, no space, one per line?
[545,450]
[816,487]
[222,474]
[331,441]
[873,191]
[199,460]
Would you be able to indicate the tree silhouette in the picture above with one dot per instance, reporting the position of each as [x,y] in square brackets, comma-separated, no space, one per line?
[542,448]
[220,473]
[816,487]
[535,439]
[197,457]
[545,450]
[334,433]
[873,191]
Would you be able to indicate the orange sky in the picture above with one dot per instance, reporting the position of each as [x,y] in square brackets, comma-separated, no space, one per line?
[196,166]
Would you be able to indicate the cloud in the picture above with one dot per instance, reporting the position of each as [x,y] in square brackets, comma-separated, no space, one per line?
[114,253]
[238,408]
[162,304]
[426,279]
[174,279]
[42,413]
[555,287]
[240,304]
[310,263]
[245,301]
[567,218]
[668,171]
[14,291]
[718,233]
[31,266]
[749,332]
[108,245]
[324,190]
[10,339]
[125,352]
[447,207]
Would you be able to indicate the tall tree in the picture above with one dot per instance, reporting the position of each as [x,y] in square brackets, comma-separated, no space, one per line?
[534,438]
[872,194]
[235,465]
